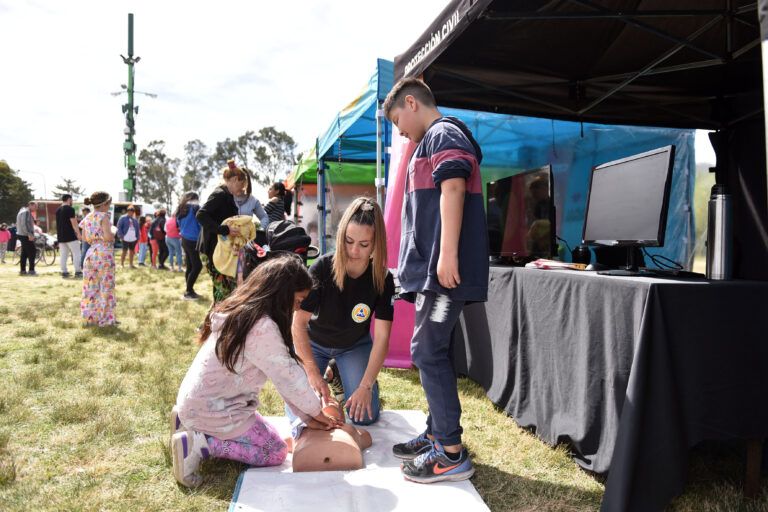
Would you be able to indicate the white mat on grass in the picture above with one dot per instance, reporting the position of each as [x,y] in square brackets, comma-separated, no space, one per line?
[379,486]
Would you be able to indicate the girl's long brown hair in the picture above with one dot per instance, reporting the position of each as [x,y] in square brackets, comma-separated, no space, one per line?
[268,291]
[366,212]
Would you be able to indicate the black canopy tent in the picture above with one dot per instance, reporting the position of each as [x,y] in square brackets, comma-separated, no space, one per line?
[674,63]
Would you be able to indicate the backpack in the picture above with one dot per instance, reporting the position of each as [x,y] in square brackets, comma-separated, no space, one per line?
[283,236]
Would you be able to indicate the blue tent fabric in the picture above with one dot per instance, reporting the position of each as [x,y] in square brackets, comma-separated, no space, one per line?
[513,144]
[355,126]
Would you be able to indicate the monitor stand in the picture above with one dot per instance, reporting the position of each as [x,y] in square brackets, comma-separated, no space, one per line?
[630,270]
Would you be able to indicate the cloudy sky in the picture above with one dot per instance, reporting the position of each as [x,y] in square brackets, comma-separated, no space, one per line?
[218,69]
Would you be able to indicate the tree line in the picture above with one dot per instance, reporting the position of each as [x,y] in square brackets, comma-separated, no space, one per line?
[268,154]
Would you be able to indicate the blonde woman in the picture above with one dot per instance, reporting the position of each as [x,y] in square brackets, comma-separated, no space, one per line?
[334,321]
[220,205]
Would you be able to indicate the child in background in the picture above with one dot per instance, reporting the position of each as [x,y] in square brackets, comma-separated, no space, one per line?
[144,223]
[246,339]
[153,247]
[5,236]
[83,244]
[98,305]
[443,205]
[173,239]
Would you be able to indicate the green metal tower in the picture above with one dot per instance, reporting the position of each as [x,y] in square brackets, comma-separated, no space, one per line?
[129,147]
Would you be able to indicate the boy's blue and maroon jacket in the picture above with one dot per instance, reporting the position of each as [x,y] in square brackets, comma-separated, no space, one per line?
[448,150]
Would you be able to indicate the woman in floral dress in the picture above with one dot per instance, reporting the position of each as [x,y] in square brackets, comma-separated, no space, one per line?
[98,304]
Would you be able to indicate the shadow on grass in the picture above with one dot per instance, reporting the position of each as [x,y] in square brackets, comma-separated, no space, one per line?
[497,487]
[111,332]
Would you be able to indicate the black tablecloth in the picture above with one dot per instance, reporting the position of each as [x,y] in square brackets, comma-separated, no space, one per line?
[630,371]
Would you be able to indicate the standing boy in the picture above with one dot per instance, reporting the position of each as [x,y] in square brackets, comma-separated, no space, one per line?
[68,235]
[443,265]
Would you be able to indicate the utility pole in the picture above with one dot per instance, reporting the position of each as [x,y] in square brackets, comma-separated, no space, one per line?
[129,110]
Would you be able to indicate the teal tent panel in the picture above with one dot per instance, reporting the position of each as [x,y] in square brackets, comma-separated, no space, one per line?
[355,126]
[513,144]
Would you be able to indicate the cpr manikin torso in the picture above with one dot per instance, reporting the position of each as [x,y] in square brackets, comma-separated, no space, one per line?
[339,449]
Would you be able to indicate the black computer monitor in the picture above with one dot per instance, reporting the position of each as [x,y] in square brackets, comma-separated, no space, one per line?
[520,211]
[628,202]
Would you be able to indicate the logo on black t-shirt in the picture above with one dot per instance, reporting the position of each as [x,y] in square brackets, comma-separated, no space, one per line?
[361,313]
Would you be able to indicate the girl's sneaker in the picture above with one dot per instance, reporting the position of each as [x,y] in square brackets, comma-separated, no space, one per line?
[188,449]
[176,425]
[437,466]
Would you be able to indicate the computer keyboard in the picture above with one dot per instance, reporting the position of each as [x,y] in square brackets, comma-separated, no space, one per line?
[671,272]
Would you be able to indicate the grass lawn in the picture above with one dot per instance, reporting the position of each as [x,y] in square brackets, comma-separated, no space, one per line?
[84,412]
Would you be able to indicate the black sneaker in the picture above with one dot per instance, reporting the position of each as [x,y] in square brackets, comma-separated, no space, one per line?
[31,273]
[436,466]
[65,275]
[78,274]
[413,448]
[190,296]
[23,273]
[337,388]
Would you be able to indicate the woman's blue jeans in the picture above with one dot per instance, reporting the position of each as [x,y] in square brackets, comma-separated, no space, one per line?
[352,363]
[174,247]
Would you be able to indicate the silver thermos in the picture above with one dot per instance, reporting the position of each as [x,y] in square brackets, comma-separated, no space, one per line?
[719,234]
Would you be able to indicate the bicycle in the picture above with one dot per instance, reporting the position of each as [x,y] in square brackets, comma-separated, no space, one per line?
[44,251]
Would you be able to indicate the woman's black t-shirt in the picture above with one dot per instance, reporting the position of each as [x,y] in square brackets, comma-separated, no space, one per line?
[340,319]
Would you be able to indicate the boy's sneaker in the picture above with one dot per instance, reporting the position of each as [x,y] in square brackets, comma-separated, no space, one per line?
[31,273]
[190,296]
[413,448]
[436,466]
[78,274]
[188,449]
[65,274]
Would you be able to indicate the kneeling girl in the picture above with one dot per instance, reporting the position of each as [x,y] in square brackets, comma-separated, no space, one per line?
[246,339]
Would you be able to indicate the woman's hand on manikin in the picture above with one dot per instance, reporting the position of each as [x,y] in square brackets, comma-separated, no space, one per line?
[359,403]
[319,384]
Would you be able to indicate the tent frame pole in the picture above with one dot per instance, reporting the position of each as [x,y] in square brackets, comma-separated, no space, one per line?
[379,181]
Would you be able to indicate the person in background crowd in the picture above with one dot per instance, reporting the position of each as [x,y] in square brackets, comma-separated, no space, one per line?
[287,201]
[219,206]
[5,236]
[249,205]
[83,244]
[158,235]
[153,247]
[144,223]
[189,228]
[68,235]
[173,240]
[98,305]
[38,230]
[14,238]
[275,208]
[25,226]
[128,234]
